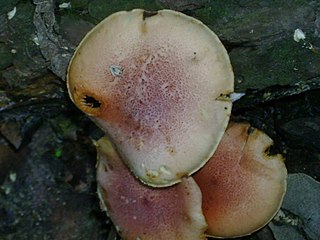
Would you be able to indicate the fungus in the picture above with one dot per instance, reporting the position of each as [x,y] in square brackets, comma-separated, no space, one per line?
[158,84]
[141,212]
[242,185]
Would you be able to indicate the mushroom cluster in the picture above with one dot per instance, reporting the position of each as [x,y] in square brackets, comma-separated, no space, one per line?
[159,85]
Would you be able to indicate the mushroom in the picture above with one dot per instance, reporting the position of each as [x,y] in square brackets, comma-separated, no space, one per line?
[242,188]
[242,185]
[158,84]
[142,212]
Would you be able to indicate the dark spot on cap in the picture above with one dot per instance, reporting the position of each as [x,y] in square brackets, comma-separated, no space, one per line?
[182,175]
[91,102]
[250,130]
[147,14]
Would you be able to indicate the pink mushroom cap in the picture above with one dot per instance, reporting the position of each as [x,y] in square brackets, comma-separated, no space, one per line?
[142,212]
[158,84]
[242,185]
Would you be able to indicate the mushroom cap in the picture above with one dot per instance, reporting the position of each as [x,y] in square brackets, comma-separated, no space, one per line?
[242,186]
[142,212]
[158,84]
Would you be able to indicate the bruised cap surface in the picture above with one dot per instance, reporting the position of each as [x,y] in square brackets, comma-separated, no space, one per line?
[242,186]
[158,84]
[142,212]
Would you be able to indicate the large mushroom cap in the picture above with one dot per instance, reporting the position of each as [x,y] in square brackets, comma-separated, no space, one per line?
[157,84]
[141,212]
[242,186]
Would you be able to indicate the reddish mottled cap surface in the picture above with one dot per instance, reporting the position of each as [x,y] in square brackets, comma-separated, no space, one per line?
[142,212]
[158,84]
[242,186]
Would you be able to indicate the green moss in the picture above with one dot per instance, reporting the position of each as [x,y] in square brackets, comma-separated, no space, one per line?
[64,127]
[7,5]
[285,62]
[22,32]
[58,152]
[6,56]
[215,10]
[81,4]
[99,9]
[22,22]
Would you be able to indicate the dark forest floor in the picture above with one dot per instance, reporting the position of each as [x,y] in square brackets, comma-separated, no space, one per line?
[47,156]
